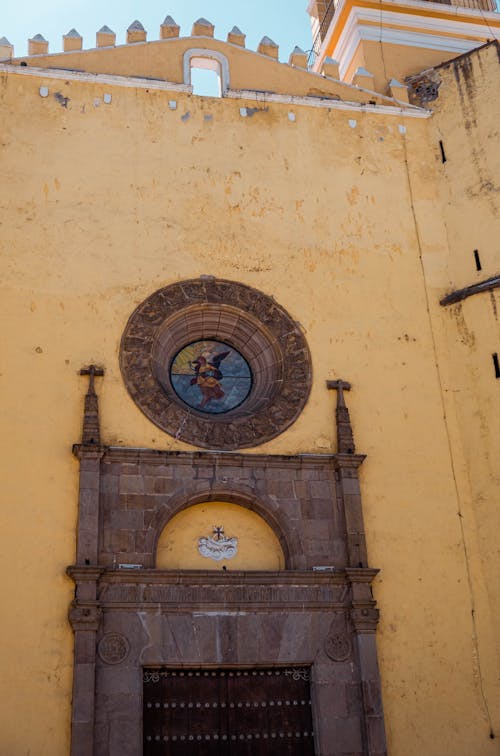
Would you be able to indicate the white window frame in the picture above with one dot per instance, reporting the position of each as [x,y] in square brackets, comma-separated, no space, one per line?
[210,60]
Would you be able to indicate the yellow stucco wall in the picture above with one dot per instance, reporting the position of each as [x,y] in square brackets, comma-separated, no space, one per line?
[104,204]
[466,118]
[390,61]
[163,60]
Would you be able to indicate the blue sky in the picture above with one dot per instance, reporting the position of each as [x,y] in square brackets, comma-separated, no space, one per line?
[285,21]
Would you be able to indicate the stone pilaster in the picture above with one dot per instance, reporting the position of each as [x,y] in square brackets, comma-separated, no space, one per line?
[87,537]
[345,438]
[89,453]
[85,617]
[347,463]
[364,619]
[347,466]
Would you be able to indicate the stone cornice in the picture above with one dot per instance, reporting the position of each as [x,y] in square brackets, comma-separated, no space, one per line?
[193,458]
[230,592]
[84,573]
[361,574]
[223,592]
[348,460]
[216,577]
[88,451]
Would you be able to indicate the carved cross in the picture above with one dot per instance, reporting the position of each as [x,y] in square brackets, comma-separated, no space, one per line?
[92,371]
[90,433]
[345,439]
[218,532]
[341,386]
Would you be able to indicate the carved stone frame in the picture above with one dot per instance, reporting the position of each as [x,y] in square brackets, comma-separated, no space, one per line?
[127,615]
[250,321]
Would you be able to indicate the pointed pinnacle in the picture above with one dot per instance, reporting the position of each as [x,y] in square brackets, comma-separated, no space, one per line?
[136,26]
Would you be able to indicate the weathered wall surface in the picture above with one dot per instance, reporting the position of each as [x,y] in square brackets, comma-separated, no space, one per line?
[102,204]
[466,120]
[163,59]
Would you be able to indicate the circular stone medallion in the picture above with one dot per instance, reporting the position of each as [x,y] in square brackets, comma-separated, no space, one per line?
[216,363]
[211,376]
[113,648]
[338,647]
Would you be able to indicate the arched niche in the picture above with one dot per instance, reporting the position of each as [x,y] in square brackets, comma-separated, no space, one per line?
[214,535]
[209,60]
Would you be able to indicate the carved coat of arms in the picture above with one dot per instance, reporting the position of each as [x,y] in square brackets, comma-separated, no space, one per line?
[219,546]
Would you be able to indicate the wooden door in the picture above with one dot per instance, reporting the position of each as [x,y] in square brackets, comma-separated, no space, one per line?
[228,712]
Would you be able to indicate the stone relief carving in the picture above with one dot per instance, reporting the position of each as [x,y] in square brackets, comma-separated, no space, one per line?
[84,616]
[338,644]
[338,647]
[113,648]
[219,547]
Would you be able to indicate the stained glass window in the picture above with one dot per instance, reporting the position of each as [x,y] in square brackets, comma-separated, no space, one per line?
[211,376]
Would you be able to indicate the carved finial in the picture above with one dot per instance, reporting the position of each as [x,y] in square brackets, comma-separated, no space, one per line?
[6,49]
[136,26]
[38,45]
[91,434]
[363,78]
[202,28]
[268,47]
[345,439]
[136,33]
[330,68]
[398,91]
[169,29]
[298,58]
[72,41]
[105,37]
[236,37]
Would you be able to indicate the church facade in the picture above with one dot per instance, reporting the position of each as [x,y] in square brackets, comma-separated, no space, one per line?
[251,377]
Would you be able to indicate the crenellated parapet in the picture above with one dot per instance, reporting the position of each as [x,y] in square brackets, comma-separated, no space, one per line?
[171,57]
[169,29]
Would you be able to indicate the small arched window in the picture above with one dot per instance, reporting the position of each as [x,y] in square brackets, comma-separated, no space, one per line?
[207,71]
[205,82]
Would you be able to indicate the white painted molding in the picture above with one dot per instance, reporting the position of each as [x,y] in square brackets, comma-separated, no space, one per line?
[211,60]
[409,111]
[117,81]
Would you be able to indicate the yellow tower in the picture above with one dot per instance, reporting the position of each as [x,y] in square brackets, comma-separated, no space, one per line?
[380,40]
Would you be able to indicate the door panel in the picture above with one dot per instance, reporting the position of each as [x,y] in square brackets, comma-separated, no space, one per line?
[228,712]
